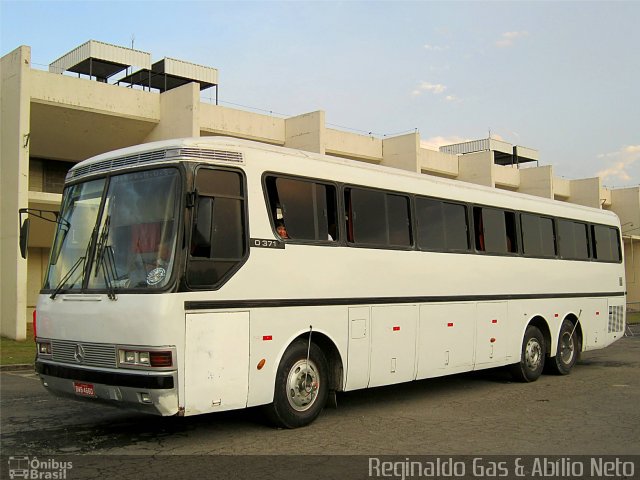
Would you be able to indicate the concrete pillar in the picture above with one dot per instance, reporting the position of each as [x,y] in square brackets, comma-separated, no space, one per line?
[537,181]
[306,132]
[586,192]
[14,184]
[179,114]
[402,152]
[625,202]
[477,168]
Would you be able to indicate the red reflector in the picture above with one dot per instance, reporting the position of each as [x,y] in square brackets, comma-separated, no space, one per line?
[492,340]
[449,324]
[556,315]
[494,321]
[597,313]
[395,329]
[267,337]
[160,359]
[35,327]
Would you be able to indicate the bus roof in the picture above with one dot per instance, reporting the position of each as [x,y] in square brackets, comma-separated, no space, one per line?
[234,145]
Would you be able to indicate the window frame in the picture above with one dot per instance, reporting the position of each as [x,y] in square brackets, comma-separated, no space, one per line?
[516,232]
[327,183]
[555,234]
[587,224]
[189,226]
[411,211]
[442,202]
[594,248]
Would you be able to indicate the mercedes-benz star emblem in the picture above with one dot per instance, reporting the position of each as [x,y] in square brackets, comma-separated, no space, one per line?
[78,354]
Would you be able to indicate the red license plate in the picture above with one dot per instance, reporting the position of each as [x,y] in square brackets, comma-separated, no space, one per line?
[84,389]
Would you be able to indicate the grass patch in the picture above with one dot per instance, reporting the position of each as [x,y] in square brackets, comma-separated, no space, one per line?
[633,317]
[13,352]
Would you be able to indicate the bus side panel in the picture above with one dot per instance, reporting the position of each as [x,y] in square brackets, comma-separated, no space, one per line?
[593,317]
[358,363]
[216,361]
[491,334]
[446,339]
[393,344]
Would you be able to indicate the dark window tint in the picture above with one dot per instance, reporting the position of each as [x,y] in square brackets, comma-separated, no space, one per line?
[307,208]
[218,239]
[606,243]
[211,183]
[573,240]
[398,220]
[495,230]
[377,218]
[441,225]
[537,235]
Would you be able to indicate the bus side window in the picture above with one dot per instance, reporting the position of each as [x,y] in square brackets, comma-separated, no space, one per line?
[308,209]
[218,239]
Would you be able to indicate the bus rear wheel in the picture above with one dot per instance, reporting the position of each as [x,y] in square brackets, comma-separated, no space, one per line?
[567,352]
[532,356]
[301,386]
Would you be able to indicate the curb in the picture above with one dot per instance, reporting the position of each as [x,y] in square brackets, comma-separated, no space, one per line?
[17,367]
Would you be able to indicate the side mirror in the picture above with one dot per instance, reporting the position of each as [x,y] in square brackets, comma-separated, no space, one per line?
[24,237]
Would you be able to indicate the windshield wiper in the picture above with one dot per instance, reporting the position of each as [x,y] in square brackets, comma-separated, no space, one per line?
[75,266]
[105,260]
[81,261]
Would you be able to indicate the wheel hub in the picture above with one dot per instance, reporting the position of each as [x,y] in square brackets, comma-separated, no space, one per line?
[567,348]
[302,385]
[533,354]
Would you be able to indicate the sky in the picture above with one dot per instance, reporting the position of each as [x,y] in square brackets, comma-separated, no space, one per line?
[559,77]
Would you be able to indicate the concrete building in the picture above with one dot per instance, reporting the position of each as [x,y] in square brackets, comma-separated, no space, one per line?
[92,100]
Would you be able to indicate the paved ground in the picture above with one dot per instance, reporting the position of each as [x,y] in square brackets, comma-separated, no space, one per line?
[593,411]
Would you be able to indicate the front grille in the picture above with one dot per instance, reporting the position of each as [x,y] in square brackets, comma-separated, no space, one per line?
[91,354]
[616,318]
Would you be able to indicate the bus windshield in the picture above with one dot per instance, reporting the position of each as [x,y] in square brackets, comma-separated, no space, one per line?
[133,229]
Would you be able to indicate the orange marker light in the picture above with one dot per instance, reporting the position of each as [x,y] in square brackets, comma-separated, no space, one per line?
[261,364]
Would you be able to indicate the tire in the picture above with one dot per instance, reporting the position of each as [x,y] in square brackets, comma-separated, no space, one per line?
[567,352]
[532,356]
[294,403]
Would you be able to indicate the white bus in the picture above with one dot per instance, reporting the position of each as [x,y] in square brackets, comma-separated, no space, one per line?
[201,275]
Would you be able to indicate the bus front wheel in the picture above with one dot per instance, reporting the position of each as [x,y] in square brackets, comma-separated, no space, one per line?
[532,356]
[301,386]
[567,352]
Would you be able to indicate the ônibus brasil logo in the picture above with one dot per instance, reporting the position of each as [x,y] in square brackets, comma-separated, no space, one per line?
[33,468]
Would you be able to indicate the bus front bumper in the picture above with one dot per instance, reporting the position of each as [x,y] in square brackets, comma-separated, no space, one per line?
[154,393]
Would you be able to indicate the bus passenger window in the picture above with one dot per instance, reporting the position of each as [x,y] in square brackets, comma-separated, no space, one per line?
[307,209]
[378,218]
[573,240]
[510,226]
[606,243]
[494,230]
